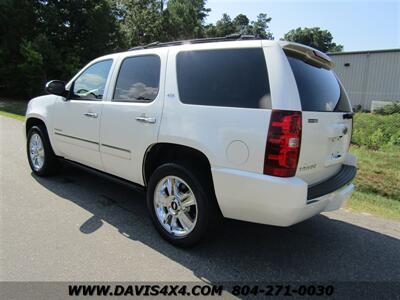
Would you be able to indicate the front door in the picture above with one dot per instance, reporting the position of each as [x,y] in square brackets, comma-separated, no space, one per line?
[130,120]
[77,119]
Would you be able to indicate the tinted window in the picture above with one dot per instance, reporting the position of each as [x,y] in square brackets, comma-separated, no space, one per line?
[91,83]
[228,77]
[319,88]
[138,79]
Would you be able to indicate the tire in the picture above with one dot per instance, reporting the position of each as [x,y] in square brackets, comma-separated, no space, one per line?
[47,163]
[160,203]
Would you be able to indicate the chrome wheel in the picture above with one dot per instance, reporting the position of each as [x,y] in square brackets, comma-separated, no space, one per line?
[36,151]
[175,206]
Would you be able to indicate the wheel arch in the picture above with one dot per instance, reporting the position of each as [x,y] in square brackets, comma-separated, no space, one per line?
[159,153]
[37,120]
[191,158]
[34,121]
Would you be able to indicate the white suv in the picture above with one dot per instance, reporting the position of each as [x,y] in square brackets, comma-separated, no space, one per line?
[254,130]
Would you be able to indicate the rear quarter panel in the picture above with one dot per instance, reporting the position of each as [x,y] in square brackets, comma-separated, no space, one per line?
[230,137]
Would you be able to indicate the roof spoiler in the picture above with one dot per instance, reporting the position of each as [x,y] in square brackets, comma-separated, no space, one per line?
[309,54]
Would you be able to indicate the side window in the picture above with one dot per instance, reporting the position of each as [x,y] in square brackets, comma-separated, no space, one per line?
[138,79]
[224,77]
[91,83]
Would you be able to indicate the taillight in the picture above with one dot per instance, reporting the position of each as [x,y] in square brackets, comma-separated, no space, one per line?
[283,143]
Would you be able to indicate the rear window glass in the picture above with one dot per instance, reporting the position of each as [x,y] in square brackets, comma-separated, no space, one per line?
[224,77]
[319,88]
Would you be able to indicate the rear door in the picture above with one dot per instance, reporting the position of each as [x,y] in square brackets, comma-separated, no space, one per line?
[131,117]
[326,119]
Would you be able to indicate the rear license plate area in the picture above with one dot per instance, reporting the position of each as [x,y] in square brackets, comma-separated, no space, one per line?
[336,151]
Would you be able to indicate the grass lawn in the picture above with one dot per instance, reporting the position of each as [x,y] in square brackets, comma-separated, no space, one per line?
[13,109]
[377,182]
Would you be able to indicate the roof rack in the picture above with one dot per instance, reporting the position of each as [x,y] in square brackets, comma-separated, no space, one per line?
[231,37]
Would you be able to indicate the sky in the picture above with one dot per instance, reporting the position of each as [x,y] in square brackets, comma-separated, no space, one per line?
[356,24]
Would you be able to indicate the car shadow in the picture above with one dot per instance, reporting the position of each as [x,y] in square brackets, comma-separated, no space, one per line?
[319,249]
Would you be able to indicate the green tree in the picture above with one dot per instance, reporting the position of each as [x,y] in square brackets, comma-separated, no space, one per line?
[146,21]
[314,37]
[52,39]
[142,21]
[210,30]
[184,19]
[223,27]
[85,28]
[260,27]
[17,24]
[240,25]
[42,39]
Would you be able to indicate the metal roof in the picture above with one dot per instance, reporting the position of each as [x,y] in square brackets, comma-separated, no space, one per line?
[365,51]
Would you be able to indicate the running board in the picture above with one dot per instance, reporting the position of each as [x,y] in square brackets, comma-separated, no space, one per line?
[107,176]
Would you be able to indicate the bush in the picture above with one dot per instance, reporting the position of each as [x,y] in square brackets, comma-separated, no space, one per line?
[359,108]
[376,131]
[395,139]
[389,109]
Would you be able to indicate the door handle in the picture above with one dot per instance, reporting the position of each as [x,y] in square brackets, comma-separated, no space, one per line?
[145,119]
[348,116]
[90,115]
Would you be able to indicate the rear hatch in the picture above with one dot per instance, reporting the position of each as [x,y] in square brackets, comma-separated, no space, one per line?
[326,114]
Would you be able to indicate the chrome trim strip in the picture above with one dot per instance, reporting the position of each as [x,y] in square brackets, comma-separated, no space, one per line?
[116,148]
[75,138]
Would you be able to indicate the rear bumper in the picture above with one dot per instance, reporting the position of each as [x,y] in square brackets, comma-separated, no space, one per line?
[277,201]
[342,178]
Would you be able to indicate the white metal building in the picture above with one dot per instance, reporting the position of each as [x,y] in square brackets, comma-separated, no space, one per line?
[369,75]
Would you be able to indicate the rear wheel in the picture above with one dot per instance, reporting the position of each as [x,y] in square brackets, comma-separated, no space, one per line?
[41,157]
[180,204]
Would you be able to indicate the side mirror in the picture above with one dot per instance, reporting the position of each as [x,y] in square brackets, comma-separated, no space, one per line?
[56,87]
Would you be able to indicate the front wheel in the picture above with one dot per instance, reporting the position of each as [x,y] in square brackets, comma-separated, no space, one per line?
[181,206]
[41,157]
